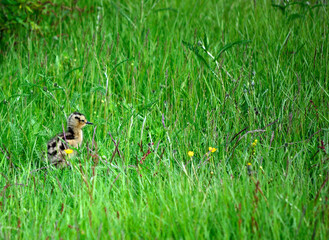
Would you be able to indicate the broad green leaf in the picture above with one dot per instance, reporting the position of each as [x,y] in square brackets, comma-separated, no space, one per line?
[229,45]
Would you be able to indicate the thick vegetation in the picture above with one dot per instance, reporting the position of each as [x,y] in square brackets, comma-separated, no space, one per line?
[210,119]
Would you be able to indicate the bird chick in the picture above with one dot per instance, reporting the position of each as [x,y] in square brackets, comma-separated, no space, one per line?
[72,137]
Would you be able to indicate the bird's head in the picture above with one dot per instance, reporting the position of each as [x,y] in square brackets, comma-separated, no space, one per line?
[77,120]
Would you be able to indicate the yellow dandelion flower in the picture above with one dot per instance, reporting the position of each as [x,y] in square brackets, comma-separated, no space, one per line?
[211,149]
[190,153]
[249,164]
[68,151]
[254,143]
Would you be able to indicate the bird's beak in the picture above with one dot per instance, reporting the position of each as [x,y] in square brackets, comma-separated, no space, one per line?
[89,123]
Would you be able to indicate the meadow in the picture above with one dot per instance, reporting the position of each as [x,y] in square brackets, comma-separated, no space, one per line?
[210,120]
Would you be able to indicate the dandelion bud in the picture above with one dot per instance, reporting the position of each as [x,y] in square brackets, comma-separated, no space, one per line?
[249,169]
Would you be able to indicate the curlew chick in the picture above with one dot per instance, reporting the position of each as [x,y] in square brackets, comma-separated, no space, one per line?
[72,137]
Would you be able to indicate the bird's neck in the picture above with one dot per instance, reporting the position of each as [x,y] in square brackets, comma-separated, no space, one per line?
[77,132]
[77,135]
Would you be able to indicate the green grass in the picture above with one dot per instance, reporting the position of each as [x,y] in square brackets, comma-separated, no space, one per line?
[138,71]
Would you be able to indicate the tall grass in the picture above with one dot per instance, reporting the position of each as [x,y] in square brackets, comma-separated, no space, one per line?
[159,79]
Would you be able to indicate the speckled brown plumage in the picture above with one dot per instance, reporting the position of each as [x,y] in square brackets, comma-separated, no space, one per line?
[72,137]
